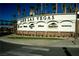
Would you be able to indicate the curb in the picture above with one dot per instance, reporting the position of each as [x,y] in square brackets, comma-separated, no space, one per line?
[22,43]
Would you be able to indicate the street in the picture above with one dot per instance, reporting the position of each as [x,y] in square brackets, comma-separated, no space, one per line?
[9,49]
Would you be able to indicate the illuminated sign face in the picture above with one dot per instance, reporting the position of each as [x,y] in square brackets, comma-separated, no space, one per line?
[48,23]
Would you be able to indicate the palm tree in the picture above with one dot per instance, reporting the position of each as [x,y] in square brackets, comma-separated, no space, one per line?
[18,9]
[24,10]
[37,8]
[55,7]
[41,8]
[64,7]
[46,5]
[76,7]
[70,9]
[32,8]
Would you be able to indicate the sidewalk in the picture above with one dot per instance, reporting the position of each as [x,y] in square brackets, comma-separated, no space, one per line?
[44,43]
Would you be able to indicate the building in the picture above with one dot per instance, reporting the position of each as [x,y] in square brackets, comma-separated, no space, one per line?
[53,25]
[6,27]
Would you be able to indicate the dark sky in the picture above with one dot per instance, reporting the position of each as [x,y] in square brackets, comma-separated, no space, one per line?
[7,10]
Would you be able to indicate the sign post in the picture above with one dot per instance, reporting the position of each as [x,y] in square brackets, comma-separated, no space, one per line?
[75,38]
[76,27]
[74,42]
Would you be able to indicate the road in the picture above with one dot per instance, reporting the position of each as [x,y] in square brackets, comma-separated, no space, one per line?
[10,49]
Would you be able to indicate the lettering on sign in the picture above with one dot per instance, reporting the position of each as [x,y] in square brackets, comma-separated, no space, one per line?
[37,18]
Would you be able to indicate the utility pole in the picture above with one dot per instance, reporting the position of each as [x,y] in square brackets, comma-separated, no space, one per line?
[76,21]
[74,42]
[76,26]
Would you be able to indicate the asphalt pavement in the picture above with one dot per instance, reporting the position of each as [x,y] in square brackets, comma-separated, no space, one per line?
[23,47]
[11,49]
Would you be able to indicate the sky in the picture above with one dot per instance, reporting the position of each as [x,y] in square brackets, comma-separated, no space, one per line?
[7,10]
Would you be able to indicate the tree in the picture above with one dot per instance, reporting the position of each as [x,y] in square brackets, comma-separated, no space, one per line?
[18,9]
[32,9]
[70,9]
[55,7]
[76,7]
[41,8]
[37,8]
[64,7]
[46,5]
[24,10]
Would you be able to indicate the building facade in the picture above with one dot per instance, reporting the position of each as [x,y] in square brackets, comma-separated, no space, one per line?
[6,27]
[54,25]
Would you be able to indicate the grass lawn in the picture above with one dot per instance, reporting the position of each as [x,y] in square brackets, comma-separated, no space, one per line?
[31,37]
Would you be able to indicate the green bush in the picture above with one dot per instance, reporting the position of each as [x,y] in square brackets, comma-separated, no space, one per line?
[23,37]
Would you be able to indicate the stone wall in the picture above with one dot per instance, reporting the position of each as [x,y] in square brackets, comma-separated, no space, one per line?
[46,34]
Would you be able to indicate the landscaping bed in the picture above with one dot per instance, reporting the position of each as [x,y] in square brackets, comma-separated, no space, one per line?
[32,37]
